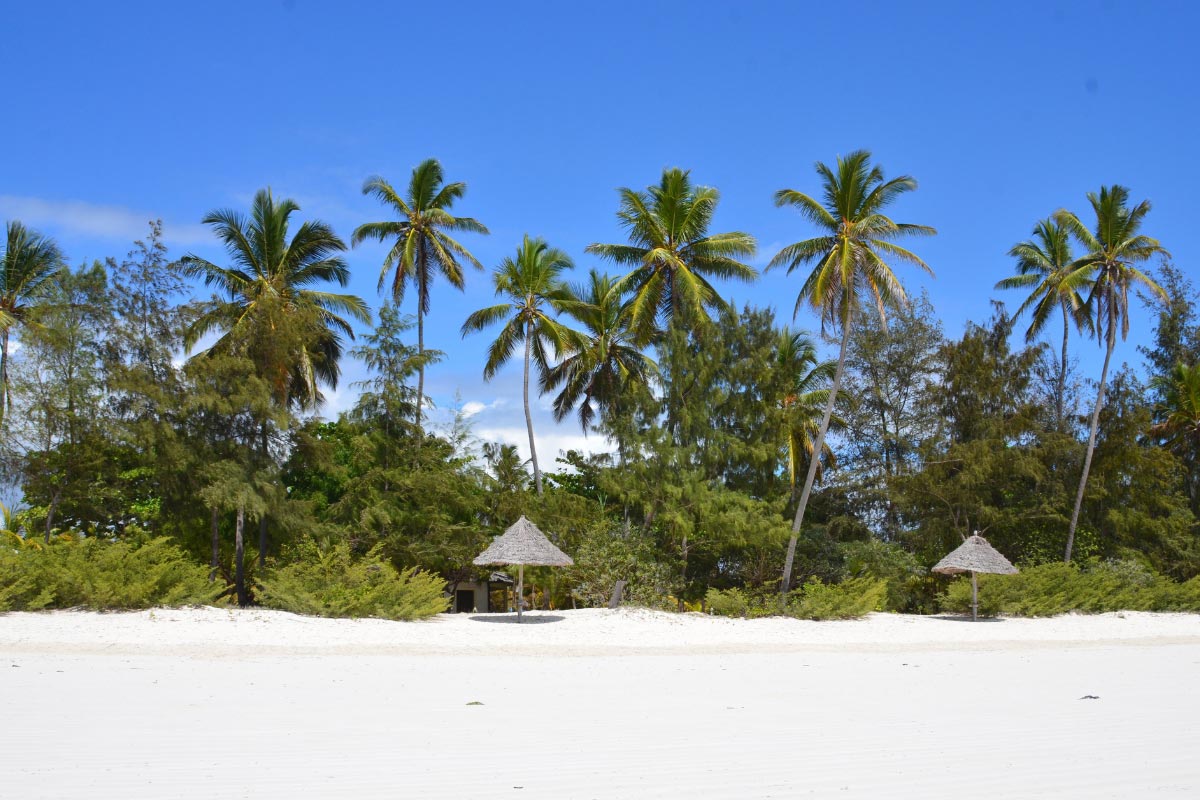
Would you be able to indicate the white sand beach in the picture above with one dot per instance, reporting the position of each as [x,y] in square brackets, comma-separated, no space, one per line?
[596,704]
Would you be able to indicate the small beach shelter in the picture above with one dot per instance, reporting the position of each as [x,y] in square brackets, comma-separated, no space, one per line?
[523,544]
[975,555]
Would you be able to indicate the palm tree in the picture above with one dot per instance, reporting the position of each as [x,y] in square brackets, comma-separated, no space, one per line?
[593,375]
[533,286]
[421,245]
[1112,249]
[807,393]
[1178,426]
[1044,266]
[848,265]
[27,265]
[266,310]
[671,253]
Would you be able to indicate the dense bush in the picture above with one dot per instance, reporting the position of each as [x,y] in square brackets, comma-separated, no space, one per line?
[606,556]
[331,582]
[909,586]
[1059,588]
[849,599]
[94,573]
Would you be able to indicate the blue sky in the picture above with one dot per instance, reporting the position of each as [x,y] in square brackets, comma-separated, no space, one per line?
[118,113]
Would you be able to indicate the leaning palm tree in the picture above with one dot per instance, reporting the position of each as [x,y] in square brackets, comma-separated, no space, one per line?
[1178,421]
[671,252]
[421,246]
[533,287]
[1112,250]
[27,265]
[806,382]
[1044,268]
[267,309]
[592,376]
[848,267]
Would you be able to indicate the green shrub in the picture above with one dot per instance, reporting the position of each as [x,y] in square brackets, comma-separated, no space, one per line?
[605,556]
[849,599]
[1059,588]
[94,573]
[330,582]
[909,588]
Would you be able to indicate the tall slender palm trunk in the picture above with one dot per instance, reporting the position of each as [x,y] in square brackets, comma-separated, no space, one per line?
[537,472]
[818,448]
[420,361]
[4,393]
[239,559]
[1087,461]
[1060,402]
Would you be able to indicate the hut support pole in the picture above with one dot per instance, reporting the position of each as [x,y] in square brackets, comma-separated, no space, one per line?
[521,589]
[974,598]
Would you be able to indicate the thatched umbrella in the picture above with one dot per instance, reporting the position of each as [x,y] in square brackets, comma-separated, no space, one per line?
[975,555]
[523,544]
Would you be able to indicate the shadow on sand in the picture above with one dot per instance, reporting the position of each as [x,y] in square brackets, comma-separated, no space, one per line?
[958,618]
[530,618]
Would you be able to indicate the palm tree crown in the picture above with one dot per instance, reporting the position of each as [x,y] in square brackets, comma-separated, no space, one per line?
[421,245]
[857,236]
[27,265]
[672,254]
[266,307]
[595,373]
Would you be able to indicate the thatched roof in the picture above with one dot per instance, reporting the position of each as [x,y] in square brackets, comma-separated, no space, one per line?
[523,543]
[975,555]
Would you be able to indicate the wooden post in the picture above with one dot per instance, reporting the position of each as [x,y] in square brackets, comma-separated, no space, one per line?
[974,598]
[521,589]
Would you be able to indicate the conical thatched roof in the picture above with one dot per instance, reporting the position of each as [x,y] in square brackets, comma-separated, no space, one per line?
[975,555]
[523,543]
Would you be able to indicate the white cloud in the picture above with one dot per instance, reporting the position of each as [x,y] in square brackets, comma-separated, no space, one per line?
[81,218]
[550,444]
[473,407]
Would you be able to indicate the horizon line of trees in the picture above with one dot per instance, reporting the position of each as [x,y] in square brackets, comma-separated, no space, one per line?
[903,442]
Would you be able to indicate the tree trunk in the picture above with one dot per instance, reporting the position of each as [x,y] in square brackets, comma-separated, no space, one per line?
[1087,461]
[1059,400]
[262,521]
[216,546]
[239,559]
[50,514]
[537,472]
[4,393]
[420,360]
[818,447]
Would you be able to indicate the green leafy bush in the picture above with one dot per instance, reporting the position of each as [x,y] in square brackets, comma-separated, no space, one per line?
[1059,588]
[99,574]
[909,587]
[331,582]
[605,556]
[849,599]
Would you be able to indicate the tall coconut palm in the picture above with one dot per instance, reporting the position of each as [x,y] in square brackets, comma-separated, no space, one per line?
[421,246]
[27,265]
[1178,425]
[671,252]
[1044,268]
[807,382]
[608,359]
[848,266]
[533,287]
[1113,248]
[267,308]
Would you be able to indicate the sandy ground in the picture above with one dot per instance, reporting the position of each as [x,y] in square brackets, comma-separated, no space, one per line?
[596,704]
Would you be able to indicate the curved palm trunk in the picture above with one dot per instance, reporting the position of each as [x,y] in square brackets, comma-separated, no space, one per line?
[239,559]
[1087,461]
[4,393]
[818,447]
[537,472]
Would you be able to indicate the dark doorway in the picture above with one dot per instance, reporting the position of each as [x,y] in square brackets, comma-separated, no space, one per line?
[464,601]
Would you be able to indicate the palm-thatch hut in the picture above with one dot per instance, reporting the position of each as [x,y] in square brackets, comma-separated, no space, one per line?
[523,544]
[973,556]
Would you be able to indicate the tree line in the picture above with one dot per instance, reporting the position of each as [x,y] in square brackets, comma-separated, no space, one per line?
[740,458]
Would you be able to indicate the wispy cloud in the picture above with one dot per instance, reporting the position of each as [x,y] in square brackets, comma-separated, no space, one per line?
[80,218]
